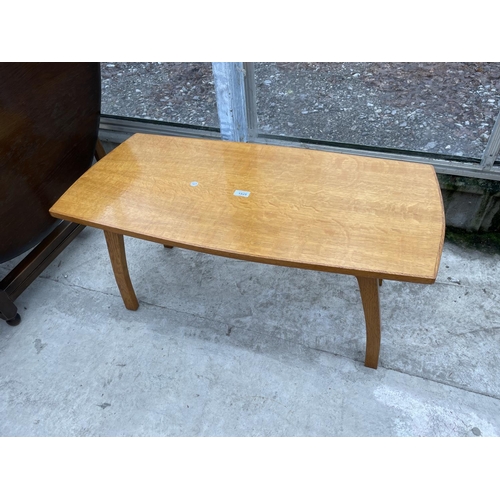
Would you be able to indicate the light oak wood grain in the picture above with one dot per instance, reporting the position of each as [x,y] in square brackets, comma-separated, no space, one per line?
[116,248]
[310,209]
[368,288]
[368,217]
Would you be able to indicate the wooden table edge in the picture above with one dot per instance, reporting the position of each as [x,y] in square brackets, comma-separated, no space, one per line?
[422,279]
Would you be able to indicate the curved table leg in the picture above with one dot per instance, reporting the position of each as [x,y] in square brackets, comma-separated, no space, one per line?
[116,248]
[368,288]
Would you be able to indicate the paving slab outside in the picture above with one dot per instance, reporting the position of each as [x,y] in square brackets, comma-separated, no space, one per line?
[221,347]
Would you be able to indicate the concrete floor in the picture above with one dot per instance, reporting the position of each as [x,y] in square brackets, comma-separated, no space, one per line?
[221,347]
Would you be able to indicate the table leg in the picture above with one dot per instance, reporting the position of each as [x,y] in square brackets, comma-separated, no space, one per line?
[8,310]
[116,248]
[368,288]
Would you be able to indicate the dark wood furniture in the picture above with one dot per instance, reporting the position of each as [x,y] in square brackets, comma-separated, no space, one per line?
[49,119]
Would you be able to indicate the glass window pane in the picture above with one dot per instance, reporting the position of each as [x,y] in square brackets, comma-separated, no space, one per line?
[173,92]
[446,108]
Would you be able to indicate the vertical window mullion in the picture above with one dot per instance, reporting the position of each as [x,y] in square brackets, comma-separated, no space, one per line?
[493,147]
[251,100]
[235,92]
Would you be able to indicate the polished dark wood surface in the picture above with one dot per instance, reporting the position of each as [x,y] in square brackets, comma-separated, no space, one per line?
[49,119]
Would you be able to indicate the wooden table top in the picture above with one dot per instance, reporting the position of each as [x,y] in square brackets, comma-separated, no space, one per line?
[309,209]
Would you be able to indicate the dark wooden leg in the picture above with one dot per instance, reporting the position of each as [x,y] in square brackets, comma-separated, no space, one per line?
[116,248]
[368,288]
[8,310]
[166,246]
[32,266]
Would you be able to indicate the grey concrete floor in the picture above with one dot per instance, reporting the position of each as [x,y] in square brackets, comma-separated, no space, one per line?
[221,347]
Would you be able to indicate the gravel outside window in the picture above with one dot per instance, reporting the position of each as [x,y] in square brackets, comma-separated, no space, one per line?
[446,108]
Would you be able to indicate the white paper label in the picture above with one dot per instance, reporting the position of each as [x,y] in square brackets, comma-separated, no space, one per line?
[245,194]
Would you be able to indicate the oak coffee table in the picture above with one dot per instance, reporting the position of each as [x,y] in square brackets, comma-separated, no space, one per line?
[372,218]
